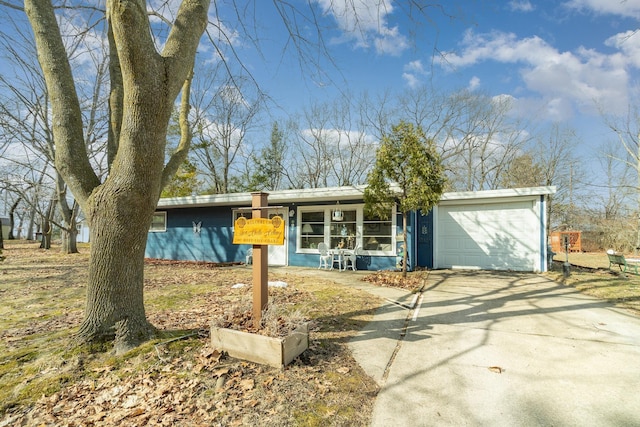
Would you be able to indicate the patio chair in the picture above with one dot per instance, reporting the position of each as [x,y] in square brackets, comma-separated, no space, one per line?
[326,256]
[350,258]
[249,256]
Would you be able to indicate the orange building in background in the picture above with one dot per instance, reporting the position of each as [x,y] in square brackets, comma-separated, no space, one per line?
[558,240]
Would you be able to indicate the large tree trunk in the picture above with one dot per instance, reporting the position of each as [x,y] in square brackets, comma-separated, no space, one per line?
[115,303]
[119,211]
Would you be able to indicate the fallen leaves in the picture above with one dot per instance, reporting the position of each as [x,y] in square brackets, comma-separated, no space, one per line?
[413,282]
[179,381]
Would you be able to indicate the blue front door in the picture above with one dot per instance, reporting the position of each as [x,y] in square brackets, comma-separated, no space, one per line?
[425,240]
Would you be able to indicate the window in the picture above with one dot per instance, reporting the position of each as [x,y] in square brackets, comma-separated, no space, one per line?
[373,235]
[343,233]
[377,234]
[159,222]
[312,229]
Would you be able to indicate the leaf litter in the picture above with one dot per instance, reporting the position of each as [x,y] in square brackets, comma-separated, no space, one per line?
[178,379]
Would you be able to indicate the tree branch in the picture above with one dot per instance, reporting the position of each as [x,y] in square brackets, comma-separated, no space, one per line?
[181,152]
[72,160]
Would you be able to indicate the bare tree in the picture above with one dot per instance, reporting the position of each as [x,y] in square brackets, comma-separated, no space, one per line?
[331,146]
[25,113]
[549,160]
[481,140]
[607,214]
[627,131]
[224,115]
[311,148]
[353,148]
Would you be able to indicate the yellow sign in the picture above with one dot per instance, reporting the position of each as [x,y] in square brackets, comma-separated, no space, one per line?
[259,231]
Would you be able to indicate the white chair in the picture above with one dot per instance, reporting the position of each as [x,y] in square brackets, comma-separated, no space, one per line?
[326,257]
[351,257]
[249,256]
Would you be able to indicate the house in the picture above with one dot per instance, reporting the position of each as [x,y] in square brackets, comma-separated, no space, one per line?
[494,230]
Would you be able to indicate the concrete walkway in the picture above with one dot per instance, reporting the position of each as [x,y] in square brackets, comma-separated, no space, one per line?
[500,349]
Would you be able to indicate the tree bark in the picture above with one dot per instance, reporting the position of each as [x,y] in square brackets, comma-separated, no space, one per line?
[12,218]
[119,211]
[115,302]
[47,227]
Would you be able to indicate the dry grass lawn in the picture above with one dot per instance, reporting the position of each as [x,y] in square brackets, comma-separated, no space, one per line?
[590,274]
[176,379]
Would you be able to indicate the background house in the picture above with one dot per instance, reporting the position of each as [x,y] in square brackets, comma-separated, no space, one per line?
[498,230]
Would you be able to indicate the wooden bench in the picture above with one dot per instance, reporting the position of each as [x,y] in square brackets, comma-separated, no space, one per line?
[617,258]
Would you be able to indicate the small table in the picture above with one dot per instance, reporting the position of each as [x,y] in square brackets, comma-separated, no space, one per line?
[342,255]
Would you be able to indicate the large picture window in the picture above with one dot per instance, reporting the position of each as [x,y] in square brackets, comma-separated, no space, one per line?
[312,229]
[343,233]
[377,234]
[371,235]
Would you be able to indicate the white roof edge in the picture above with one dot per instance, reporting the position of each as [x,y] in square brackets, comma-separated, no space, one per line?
[275,197]
[331,194]
[492,194]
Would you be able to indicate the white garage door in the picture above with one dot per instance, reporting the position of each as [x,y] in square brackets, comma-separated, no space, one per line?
[491,236]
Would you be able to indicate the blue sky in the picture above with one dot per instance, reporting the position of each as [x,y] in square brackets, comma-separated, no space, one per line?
[558,60]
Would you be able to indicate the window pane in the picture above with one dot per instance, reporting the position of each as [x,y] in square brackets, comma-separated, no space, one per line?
[312,229]
[311,242]
[377,233]
[349,216]
[313,216]
[343,233]
[159,222]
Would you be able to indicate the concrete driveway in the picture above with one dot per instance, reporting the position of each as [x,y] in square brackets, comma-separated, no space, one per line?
[501,349]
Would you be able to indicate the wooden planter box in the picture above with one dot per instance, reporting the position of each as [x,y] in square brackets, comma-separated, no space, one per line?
[277,352]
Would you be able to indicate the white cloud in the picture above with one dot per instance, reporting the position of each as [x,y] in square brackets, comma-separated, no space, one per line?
[365,22]
[628,8]
[337,137]
[412,81]
[474,83]
[628,43]
[415,67]
[521,5]
[584,78]
[413,71]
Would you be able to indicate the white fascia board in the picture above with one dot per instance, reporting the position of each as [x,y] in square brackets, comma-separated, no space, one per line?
[239,199]
[497,194]
[329,194]
[333,194]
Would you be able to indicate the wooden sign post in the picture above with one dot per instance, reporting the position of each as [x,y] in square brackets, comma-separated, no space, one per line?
[259,202]
[260,231]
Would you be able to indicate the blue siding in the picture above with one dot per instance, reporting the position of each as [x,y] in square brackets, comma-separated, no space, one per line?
[213,243]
